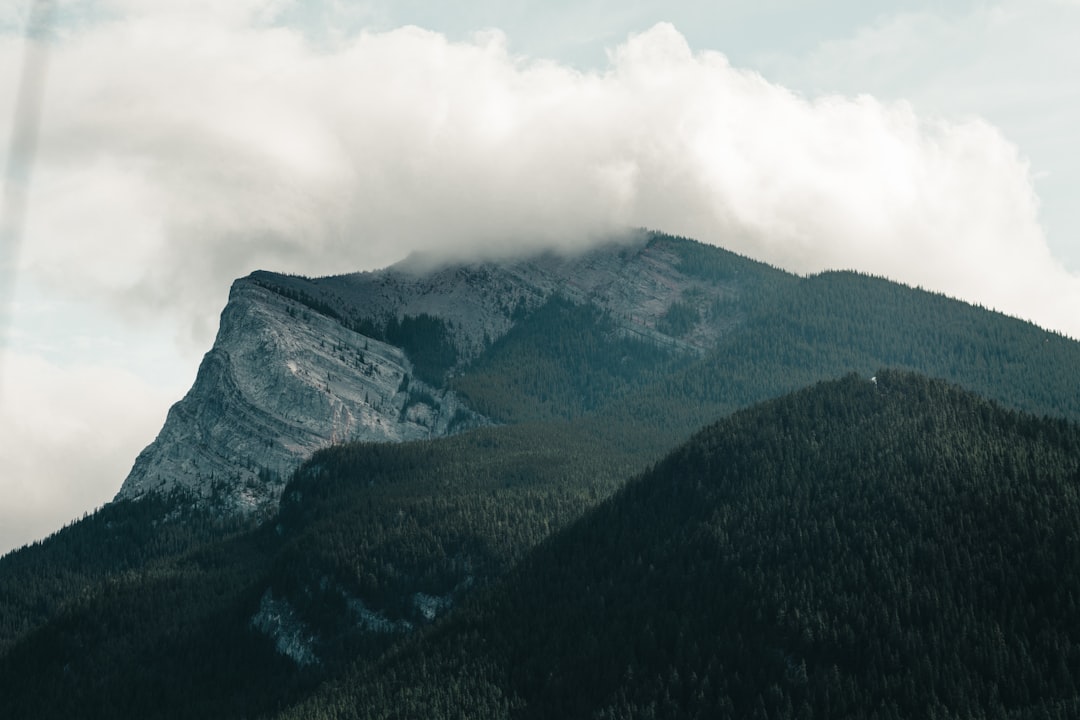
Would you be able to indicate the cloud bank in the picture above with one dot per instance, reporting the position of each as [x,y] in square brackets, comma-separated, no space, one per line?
[183,149]
[1011,61]
[187,143]
[64,435]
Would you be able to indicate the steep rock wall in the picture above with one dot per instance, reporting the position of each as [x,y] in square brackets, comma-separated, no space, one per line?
[280,382]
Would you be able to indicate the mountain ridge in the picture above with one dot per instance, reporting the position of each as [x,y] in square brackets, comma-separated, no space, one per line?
[892,548]
[178,605]
[279,383]
[300,363]
[399,353]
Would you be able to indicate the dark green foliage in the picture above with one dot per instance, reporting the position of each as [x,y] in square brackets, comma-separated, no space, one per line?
[170,639]
[38,580]
[567,361]
[425,339]
[309,299]
[679,319]
[780,333]
[427,342]
[560,362]
[898,549]
[370,522]
[824,326]
[382,522]
[831,553]
[716,264]
[878,322]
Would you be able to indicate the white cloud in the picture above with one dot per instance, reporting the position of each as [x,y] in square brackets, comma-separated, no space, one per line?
[64,432]
[1011,62]
[186,146]
[179,154]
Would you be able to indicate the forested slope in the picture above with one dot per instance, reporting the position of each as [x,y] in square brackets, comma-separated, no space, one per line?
[780,333]
[374,543]
[895,550]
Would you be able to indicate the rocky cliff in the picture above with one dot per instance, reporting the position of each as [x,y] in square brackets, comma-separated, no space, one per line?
[302,363]
[280,382]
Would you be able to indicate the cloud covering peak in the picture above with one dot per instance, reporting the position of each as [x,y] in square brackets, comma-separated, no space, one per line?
[187,142]
[178,153]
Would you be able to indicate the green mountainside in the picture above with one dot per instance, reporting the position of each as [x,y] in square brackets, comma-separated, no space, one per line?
[393,572]
[889,549]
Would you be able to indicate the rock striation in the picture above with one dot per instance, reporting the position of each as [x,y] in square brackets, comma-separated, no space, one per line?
[280,382]
[299,363]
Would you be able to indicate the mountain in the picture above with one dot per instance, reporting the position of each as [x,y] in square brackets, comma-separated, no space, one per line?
[270,549]
[893,548]
[890,548]
[280,382]
[302,363]
[421,350]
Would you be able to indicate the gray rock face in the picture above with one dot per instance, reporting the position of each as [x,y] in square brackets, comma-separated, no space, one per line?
[281,382]
[636,282]
[278,620]
[287,376]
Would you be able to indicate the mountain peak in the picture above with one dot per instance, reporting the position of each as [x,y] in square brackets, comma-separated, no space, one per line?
[408,353]
[302,363]
[281,381]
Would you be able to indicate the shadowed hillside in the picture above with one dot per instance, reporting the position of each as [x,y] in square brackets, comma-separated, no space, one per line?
[897,549]
[543,386]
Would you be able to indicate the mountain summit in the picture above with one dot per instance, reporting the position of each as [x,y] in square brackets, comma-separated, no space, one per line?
[301,363]
[376,477]
[415,351]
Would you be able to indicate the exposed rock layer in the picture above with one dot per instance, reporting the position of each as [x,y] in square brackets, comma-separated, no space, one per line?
[280,382]
[287,375]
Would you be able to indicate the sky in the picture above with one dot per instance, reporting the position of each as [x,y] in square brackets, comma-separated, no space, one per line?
[165,147]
